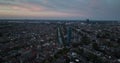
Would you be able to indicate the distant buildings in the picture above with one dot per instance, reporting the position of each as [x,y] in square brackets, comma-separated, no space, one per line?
[68,43]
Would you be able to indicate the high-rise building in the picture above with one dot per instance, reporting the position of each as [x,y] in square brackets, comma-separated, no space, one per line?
[69,35]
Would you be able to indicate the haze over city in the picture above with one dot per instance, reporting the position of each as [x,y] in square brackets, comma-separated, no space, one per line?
[60,9]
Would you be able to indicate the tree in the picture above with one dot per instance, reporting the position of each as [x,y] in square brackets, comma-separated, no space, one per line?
[95,46]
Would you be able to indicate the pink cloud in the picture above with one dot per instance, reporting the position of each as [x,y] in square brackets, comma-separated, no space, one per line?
[28,7]
[20,8]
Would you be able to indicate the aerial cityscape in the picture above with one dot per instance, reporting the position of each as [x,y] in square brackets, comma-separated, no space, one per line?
[59,31]
[60,42]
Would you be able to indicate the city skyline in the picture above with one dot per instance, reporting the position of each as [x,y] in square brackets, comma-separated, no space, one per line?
[60,9]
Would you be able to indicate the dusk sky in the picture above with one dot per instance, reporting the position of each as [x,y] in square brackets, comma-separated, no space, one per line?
[60,9]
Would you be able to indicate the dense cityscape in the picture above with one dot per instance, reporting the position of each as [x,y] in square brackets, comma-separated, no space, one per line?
[60,42]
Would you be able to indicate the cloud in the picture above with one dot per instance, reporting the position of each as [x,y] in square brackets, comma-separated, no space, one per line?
[105,9]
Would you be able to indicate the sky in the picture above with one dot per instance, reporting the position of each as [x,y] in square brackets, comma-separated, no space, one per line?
[60,9]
